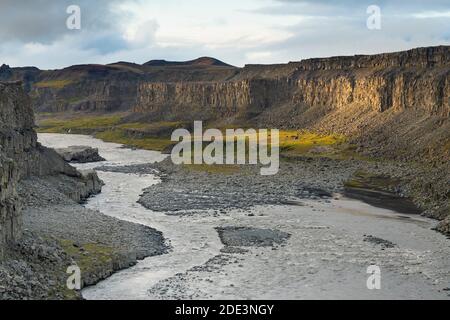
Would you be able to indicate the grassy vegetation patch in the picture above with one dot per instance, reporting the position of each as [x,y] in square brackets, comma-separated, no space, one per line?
[85,123]
[111,129]
[148,143]
[156,135]
[89,257]
[303,142]
[153,126]
[54,84]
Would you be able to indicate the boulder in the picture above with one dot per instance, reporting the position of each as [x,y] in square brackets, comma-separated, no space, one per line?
[80,154]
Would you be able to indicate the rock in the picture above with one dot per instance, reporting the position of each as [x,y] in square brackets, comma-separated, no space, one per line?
[93,184]
[80,154]
[248,237]
[444,226]
[383,243]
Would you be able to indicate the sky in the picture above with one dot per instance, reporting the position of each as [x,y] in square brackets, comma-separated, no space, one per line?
[239,32]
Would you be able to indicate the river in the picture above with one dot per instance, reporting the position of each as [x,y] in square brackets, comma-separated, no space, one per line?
[326,256]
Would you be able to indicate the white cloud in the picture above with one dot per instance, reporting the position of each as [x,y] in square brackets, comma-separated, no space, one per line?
[142,34]
[236,31]
[431,15]
[259,56]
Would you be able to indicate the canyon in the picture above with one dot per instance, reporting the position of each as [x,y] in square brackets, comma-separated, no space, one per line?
[391,109]
[40,203]
[393,105]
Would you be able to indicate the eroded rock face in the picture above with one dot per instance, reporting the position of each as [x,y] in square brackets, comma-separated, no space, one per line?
[10,221]
[210,100]
[418,78]
[91,184]
[22,156]
[105,88]
[16,142]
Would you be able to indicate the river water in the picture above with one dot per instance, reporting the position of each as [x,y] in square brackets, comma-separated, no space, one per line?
[326,256]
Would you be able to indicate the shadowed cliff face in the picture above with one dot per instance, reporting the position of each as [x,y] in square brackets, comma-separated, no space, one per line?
[418,78]
[14,133]
[211,100]
[106,88]
[21,156]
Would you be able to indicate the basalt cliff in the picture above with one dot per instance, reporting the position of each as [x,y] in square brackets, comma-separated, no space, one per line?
[44,229]
[394,104]
[21,157]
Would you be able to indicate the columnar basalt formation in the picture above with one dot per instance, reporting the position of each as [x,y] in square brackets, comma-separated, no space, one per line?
[16,156]
[400,88]
[107,88]
[9,205]
[210,100]
[418,78]
[21,156]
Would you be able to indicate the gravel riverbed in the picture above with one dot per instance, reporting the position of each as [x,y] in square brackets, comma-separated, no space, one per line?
[238,235]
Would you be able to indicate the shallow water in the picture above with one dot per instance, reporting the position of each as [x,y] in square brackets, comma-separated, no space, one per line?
[326,256]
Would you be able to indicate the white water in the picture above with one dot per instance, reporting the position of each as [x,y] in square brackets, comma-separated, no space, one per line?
[325,258]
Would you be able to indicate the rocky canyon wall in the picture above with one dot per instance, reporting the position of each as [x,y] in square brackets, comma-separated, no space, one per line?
[210,100]
[21,156]
[418,78]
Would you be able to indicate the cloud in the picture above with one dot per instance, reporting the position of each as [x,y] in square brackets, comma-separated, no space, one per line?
[350,8]
[142,34]
[105,43]
[327,36]
[328,28]
[36,29]
[44,21]
[238,32]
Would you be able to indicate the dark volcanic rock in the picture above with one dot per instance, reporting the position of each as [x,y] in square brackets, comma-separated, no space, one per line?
[43,228]
[251,237]
[20,156]
[80,154]
[379,241]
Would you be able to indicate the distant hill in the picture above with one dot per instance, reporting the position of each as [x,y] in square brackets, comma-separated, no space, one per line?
[203,61]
